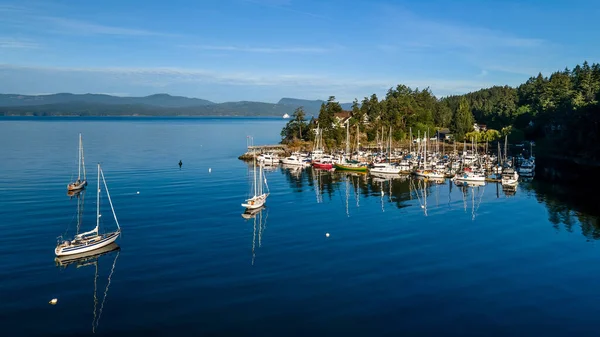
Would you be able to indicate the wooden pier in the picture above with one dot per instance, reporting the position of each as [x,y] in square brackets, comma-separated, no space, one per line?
[278,149]
[267,148]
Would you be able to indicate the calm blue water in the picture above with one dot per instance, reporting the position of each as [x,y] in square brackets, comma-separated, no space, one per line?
[472,262]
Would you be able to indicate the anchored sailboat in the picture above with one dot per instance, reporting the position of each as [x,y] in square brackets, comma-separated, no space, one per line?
[259,198]
[79,184]
[91,240]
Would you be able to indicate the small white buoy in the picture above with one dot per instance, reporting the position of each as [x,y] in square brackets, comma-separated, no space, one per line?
[53,301]
[422,206]
[138,192]
[327,235]
[209,170]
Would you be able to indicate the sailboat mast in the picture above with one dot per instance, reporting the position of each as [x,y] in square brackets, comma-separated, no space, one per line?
[357,141]
[410,140]
[79,212]
[79,160]
[260,176]
[347,138]
[390,147]
[425,156]
[505,149]
[98,202]
[82,158]
[254,166]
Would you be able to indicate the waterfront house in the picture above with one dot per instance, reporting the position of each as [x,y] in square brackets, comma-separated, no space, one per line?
[443,134]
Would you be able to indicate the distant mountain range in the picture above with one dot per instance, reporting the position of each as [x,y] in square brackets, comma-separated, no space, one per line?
[65,104]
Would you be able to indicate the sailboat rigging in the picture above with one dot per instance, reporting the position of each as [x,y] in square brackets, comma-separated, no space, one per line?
[79,183]
[90,240]
[260,197]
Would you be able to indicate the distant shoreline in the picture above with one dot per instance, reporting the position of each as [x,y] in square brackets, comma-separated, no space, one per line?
[140,116]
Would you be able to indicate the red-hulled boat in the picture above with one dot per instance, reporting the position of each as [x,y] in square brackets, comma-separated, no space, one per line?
[325,165]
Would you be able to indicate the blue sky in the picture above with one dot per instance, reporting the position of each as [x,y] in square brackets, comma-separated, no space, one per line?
[262,50]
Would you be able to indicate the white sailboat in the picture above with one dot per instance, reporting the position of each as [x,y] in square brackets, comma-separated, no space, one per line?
[386,167]
[427,171]
[510,177]
[259,198]
[91,240]
[79,184]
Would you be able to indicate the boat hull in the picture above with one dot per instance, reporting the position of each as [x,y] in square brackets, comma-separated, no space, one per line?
[385,170]
[324,166]
[255,202]
[106,239]
[76,187]
[429,174]
[470,178]
[63,261]
[350,168]
[509,182]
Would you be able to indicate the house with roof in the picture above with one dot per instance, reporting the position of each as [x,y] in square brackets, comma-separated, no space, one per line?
[341,118]
[479,127]
[443,134]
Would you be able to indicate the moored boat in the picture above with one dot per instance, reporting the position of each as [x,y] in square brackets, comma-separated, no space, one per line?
[79,183]
[91,240]
[259,198]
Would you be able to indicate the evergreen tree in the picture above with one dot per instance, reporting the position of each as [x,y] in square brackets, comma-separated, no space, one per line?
[463,119]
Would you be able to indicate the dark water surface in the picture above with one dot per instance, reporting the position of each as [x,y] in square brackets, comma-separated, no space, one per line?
[471,262]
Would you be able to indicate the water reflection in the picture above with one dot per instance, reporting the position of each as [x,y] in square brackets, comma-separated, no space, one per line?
[259,217]
[93,259]
[476,191]
[566,205]
[569,206]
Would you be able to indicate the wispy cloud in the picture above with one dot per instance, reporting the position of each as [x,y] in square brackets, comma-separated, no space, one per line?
[427,34]
[319,85]
[11,43]
[479,47]
[267,50]
[78,27]
[515,69]
[285,5]
[11,8]
[37,20]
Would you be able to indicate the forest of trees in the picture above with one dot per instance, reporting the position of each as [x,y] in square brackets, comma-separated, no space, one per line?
[562,111]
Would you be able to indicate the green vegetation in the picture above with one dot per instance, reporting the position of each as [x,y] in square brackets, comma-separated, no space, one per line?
[561,111]
[293,130]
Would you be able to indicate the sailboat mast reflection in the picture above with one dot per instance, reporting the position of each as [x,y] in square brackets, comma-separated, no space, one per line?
[89,259]
[472,187]
[421,196]
[259,226]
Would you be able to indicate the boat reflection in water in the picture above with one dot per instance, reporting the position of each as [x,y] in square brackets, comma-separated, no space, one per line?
[75,193]
[92,259]
[259,217]
[509,190]
[472,187]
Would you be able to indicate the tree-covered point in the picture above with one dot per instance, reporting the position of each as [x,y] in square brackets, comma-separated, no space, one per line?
[563,110]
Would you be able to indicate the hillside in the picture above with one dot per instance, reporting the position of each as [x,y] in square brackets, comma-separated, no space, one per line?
[66,104]
[162,100]
[96,109]
[311,107]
